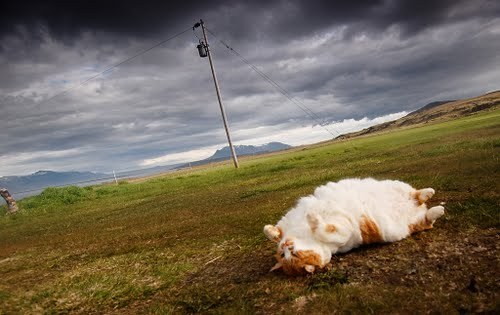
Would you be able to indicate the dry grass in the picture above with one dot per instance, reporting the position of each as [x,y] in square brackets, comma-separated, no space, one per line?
[192,242]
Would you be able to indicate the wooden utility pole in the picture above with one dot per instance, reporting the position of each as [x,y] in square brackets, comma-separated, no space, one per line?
[11,203]
[224,119]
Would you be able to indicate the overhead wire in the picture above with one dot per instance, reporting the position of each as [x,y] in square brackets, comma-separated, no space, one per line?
[194,32]
[268,79]
[278,87]
[111,68]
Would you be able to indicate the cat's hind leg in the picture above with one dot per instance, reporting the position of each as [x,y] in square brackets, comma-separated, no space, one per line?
[434,213]
[426,221]
[423,195]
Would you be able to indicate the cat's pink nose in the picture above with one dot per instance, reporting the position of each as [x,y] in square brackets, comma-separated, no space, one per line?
[287,243]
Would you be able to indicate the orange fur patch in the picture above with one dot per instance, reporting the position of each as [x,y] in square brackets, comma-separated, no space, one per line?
[369,231]
[330,228]
[280,235]
[419,197]
[313,223]
[278,256]
[420,226]
[287,243]
[298,261]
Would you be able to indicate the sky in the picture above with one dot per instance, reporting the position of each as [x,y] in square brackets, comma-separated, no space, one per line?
[348,64]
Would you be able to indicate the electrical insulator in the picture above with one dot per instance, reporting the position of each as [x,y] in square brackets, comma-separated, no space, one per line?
[202,49]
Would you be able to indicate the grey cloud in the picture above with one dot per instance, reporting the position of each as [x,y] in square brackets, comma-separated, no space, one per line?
[342,60]
[67,20]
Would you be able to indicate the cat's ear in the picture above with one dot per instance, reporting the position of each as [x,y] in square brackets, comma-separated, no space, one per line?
[274,233]
[276,267]
[310,268]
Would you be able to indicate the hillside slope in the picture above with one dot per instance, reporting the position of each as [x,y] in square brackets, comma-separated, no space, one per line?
[435,112]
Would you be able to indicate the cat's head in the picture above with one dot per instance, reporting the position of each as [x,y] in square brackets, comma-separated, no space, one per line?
[295,256]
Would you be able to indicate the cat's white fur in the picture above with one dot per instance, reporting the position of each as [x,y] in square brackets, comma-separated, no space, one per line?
[343,215]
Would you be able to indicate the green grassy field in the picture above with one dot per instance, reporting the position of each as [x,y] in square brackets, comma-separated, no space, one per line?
[192,241]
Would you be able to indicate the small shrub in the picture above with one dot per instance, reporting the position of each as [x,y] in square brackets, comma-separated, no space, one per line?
[67,195]
[59,196]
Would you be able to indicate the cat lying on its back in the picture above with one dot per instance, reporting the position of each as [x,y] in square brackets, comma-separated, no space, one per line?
[344,215]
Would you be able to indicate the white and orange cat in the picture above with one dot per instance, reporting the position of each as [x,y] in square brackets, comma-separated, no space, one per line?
[344,215]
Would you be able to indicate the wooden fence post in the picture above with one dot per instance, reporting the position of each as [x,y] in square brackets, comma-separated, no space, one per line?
[11,203]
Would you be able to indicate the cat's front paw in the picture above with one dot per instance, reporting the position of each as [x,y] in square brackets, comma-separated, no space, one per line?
[273,233]
[435,213]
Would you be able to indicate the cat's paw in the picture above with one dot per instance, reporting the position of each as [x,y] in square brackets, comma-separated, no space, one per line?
[435,213]
[273,232]
[425,194]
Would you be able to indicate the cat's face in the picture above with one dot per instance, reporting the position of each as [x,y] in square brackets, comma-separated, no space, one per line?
[294,256]
[295,261]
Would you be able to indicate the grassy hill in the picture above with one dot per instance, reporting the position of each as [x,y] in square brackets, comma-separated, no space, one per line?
[192,241]
[435,112]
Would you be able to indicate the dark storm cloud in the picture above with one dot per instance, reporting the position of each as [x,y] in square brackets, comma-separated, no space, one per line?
[66,20]
[342,59]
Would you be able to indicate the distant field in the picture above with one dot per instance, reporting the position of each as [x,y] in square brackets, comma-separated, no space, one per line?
[192,241]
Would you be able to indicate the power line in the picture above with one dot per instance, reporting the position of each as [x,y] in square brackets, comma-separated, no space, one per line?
[280,89]
[83,83]
[284,92]
[112,67]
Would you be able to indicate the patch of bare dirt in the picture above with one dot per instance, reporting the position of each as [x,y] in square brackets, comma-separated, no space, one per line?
[453,263]
[439,266]
[463,266]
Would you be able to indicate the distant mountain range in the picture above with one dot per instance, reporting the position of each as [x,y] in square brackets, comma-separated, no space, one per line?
[225,152]
[241,150]
[28,185]
[432,112]
[42,179]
